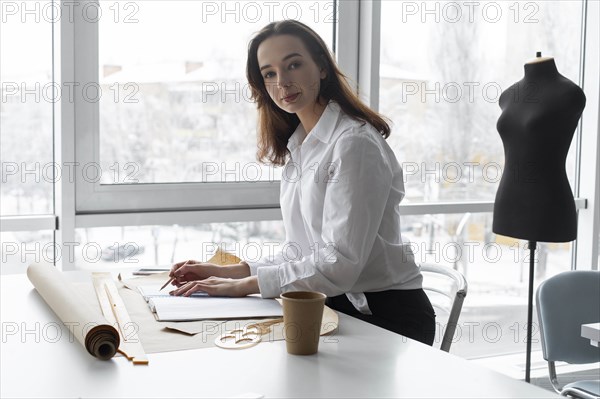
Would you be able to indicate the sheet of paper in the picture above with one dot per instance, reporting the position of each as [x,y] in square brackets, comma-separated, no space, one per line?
[159,336]
[209,308]
[154,291]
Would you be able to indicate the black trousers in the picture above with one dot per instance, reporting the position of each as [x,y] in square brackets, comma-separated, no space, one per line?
[405,312]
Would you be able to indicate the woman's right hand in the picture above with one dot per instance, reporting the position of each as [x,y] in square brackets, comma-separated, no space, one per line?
[192,270]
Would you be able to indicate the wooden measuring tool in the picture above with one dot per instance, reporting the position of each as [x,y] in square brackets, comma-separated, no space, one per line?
[116,314]
[252,334]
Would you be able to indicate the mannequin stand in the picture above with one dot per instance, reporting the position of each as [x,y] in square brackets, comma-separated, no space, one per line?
[532,246]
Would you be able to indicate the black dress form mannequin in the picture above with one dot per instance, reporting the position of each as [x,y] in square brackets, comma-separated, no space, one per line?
[539,116]
[534,200]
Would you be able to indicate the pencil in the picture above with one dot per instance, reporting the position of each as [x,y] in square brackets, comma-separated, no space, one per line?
[167,283]
[171,279]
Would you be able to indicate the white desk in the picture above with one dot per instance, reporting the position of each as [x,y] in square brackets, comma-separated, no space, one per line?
[360,361]
[592,332]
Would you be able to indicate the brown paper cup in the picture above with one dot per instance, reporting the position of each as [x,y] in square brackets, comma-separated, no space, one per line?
[302,315]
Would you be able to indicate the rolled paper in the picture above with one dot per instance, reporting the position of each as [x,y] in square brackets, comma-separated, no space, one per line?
[86,324]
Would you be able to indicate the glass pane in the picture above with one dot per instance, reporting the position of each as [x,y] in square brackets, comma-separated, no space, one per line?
[27,92]
[148,246]
[176,104]
[494,315]
[443,67]
[19,249]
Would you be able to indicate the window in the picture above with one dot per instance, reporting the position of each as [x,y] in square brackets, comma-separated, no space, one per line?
[176,104]
[148,246]
[26,109]
[173,105]
[442,71]
[21,248]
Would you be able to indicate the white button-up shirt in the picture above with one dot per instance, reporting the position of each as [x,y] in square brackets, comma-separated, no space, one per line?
[340,193]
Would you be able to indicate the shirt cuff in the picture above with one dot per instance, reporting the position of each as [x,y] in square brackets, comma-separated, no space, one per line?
[268,281]
[254,266]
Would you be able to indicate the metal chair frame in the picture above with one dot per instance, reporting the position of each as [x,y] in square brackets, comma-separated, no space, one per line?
[457,296]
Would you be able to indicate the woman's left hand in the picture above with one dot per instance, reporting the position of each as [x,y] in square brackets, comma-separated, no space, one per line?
[218,286]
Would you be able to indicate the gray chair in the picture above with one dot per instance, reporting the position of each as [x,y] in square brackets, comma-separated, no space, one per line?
[564,303]
[446,289]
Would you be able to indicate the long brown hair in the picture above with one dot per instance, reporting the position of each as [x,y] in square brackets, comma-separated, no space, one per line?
[276,126]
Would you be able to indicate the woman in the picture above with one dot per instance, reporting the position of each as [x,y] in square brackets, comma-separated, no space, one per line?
[340,192]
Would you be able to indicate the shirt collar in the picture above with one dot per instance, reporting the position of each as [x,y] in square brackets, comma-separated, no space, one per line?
[296,138]
[323,130]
